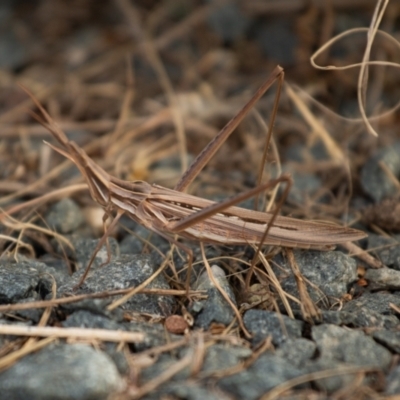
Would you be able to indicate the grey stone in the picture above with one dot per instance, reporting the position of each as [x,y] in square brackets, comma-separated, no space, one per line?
[128,271]
[360,318]
[134,244]
[61,372]
[393,382]
[297,351]
[187,390]
[27,279]
[64,216]
[386,249]
[349,346]
[222,356]
[266,373]
[305,186]
[334,382]
[215,309]
[31,314]
[163,363]
[86,319]
[94,307]
[262,324]
[84,249]
[154,335]
[383,279]
[374,180]
[389,339]
[378,302]
[17,282]
[331,272]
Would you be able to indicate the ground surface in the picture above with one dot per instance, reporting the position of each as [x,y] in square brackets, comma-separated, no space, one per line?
[143,86]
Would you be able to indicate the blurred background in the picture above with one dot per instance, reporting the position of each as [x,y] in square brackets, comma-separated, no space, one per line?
[113,74]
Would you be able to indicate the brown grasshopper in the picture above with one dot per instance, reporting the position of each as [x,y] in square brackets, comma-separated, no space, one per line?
[168,212]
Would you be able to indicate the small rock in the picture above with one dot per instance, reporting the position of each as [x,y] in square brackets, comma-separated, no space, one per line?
[132,244]
[374,180]
[393,382]
[85,247]
[386,216]
[61,372]
[28,279]
[266,373]
[154,335]
[331,272]
[349,346]
[297,351]
[87,319]
[389,339]
[334,382]
[220,356]
[383,279]
[262,324]
[360,318]
[164,363]
[17,282]
[128,271]
[215,309]
[378,302]
[187,390]
[305,185]
[64,216]
[386,249]
[176,324]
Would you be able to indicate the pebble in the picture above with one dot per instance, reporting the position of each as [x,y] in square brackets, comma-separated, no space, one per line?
[64,216]
[27,279]
[61,372]
[85,247]
[383,279]
[393,382]
[386,249]
[350,346]
[361,317]
[127,271]
[334,382]
[215,309]
[262,324]
[389,339]
[267,372]
[331,272]
[222,356]
[298,351]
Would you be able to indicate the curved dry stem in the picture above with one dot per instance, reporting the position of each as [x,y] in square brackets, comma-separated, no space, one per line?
[372,31]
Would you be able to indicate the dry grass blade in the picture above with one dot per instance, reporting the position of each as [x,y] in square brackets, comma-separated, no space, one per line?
[11,358]
[77,333]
